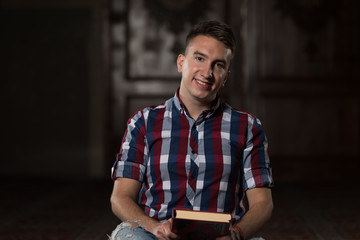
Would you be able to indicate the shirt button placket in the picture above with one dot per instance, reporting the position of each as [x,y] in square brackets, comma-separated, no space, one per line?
[193,173]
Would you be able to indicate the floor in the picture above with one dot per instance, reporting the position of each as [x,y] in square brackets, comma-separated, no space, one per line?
[55,209]
[328,211]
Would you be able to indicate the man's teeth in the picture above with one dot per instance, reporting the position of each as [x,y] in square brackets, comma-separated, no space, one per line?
[202,83]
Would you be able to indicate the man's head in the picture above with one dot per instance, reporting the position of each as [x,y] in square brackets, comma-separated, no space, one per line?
[218,30]
[205,66]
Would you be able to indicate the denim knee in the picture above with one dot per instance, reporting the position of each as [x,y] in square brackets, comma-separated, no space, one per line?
[131,231]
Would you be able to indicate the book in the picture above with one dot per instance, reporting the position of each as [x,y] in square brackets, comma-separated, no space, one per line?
[200,225]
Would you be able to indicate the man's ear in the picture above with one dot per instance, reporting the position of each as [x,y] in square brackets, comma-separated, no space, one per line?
[226,78]
[180,62]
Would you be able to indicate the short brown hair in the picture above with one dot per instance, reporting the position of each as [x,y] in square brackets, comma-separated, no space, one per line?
[218,30]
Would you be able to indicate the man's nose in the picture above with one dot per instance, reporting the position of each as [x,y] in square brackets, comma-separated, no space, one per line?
[207,71]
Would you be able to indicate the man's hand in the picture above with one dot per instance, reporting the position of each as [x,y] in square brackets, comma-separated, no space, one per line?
[163,231]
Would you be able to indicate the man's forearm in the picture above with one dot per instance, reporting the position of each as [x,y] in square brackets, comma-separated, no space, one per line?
[259,212]
[255,218]
[126,209]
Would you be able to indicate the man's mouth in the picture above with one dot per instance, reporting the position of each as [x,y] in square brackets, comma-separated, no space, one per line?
[202,83]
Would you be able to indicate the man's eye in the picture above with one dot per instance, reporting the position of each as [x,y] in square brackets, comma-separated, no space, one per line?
[220,65]
[199,59]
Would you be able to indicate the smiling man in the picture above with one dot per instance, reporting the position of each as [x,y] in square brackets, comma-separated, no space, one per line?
[193,151]
[205,69]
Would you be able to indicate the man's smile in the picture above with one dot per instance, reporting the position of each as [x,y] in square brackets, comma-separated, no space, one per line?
[202,83]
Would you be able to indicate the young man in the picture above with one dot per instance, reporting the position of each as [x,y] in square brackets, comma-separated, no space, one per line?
[193,151]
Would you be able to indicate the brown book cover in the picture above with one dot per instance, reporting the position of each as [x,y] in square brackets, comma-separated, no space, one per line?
[200,225]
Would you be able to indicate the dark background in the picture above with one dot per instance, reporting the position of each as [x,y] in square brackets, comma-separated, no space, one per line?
[66,92]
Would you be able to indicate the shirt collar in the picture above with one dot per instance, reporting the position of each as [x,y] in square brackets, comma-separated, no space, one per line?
[206,114]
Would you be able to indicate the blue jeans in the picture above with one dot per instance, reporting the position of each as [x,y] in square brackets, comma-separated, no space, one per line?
[131,231]
[134,231]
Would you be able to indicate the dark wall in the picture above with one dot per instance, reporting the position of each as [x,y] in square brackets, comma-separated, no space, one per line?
[45,69]
[302,83]
[296,68]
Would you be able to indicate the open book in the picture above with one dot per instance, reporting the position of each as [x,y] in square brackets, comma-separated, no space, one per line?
[200,225]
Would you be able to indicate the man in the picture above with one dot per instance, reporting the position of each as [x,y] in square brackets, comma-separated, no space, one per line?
[193,151]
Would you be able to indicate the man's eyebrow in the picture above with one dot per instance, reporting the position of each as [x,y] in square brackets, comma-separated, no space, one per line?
[201,54]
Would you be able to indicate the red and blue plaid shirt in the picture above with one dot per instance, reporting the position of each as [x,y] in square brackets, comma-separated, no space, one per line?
[205,164]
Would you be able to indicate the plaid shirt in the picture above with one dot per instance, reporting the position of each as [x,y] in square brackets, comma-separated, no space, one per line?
[205,164]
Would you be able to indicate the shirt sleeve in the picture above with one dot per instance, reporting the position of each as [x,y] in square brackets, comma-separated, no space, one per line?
[132,158]
[257,167]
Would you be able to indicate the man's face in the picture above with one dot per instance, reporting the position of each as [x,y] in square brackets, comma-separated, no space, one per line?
[204,68]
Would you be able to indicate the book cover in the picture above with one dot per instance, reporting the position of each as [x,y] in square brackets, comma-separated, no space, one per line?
[200,225]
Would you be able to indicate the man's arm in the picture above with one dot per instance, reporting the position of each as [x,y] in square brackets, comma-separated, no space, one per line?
[260,210]
[124,206]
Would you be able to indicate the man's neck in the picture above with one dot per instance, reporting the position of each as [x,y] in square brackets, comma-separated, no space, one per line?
[194,107]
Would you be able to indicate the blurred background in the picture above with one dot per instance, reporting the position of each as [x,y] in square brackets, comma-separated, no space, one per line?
[73,71]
